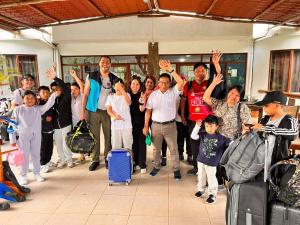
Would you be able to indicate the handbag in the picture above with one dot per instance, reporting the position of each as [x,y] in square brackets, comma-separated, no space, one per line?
[81,139]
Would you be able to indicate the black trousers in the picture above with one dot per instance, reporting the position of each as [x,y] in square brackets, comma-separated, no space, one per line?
[46,148]
[183,134]
[139,145]
[194,143]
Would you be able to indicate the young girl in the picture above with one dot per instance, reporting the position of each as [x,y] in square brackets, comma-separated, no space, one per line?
[118,109]
[29,119]
[137,112]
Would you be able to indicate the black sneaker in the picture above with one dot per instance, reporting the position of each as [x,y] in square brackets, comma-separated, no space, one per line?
[154,172]
[193,171]
[199,194]
[177,175]
[181,157]
[94,166]
[211,199]
[163,161]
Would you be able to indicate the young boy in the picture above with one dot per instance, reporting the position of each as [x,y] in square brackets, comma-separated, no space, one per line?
[47,130]
[280,128]
[211,147]
[118,108]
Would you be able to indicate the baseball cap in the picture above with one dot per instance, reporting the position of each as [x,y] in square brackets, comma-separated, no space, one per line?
[273,97]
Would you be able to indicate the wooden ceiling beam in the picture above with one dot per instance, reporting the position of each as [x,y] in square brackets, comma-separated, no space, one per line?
[19,23]
[96,7]
[27,2]
[268,9]
[212,5]
[41,12]
[7,28]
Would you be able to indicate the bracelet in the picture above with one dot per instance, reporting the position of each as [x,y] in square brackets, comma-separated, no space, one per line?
[172,71]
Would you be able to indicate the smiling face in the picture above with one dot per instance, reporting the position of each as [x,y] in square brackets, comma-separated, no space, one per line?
[135,86]
[29,100]
[164,84]
[27,83]
[104,64]
[75,91]
[149,84]
[200,74]
[233,97]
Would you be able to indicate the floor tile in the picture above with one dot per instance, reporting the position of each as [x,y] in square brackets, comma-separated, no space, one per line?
[147,220]
[81,204]
[66,219]
[114,205]
[150,206]
[107,220]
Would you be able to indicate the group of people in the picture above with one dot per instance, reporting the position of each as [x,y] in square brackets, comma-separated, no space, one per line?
[173,112]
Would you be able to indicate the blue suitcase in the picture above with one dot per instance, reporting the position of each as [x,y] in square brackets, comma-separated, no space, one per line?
[119,166]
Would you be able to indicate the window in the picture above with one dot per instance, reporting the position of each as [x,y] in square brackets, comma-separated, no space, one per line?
[122,66]
[15,66]
[233,66]
[285,71]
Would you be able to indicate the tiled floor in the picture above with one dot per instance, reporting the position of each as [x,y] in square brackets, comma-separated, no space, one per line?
[77,197]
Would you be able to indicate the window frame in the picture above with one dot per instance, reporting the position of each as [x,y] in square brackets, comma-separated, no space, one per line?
[290,70]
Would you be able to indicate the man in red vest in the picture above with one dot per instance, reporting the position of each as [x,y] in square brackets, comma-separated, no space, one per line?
[193,92]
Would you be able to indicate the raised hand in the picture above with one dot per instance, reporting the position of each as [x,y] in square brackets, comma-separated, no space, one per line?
[165,65]
[216,55]
[51,73]
[73,73]
[217,79]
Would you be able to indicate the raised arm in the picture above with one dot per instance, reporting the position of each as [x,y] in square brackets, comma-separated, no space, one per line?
[86,93]
[166,66]
[216,60]
[207,94]
[44,108]
[78,81]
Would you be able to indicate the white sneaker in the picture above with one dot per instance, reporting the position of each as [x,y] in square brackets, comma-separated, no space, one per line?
[45,168]
[144,170]
[23,180]
[52,164]
[61,165]
[39,178]
[137,167]
[71,164]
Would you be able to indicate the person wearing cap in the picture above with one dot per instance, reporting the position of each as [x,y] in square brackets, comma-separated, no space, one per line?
[27,83]
[280,128]
[161,107]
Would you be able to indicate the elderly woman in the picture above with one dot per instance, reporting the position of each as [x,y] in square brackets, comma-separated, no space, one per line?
[230,110]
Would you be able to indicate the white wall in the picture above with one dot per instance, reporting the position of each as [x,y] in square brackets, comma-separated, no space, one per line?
[286,39]
[35,47]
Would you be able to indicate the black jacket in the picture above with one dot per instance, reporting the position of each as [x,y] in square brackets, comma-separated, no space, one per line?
[47,119]
[285,133]
[62,107]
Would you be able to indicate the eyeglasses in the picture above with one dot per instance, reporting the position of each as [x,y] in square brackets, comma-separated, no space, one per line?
[164,82]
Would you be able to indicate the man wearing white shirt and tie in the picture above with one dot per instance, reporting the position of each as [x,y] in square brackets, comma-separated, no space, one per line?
[161,107]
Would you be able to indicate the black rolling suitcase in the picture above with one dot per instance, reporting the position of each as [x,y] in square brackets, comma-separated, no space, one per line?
[282,214]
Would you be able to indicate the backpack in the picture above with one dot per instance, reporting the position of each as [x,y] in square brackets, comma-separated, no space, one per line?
[285,181]
[244,158]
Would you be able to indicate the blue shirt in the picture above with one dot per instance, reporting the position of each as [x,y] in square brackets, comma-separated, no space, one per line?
[211,148]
